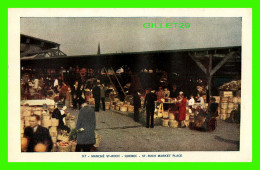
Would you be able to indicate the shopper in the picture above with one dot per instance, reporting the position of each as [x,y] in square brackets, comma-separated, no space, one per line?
[96,95]
[150,106]
[74,92]
[57,113]
[103,96]
[137,105]
[86,125]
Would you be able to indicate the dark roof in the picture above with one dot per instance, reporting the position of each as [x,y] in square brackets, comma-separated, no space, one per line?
[211,50]
[38,41]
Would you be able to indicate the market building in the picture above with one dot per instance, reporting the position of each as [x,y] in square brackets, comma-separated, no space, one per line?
[207,71]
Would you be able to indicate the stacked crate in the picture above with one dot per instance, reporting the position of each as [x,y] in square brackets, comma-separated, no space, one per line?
[45,120]
[227,103]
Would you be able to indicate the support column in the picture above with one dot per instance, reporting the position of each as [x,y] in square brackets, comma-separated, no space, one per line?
[209,75]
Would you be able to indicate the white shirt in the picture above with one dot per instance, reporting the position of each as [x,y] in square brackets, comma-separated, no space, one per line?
[191,102]
[35,129]
[56,83]
[201,102]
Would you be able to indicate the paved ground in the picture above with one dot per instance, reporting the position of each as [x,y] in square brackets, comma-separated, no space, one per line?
[121,134]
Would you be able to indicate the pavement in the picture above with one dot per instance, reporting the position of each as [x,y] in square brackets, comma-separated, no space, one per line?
[120,133]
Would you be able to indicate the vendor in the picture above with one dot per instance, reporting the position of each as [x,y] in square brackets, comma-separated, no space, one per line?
[57,113]
[201,101]
[213,107]
[181,103]
[160,94]
[174,91]
[166,93]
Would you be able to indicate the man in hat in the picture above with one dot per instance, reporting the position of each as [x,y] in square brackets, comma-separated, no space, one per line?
[36,135]
[182,101]
[57,114]
[150,98]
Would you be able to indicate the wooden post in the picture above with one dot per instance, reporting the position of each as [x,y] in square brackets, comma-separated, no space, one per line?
[209,75]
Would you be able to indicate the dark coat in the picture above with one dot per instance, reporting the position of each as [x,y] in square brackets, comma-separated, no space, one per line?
[57,115]
[41,135]
[87,121]
[136,100]
[150,98]
[96,92]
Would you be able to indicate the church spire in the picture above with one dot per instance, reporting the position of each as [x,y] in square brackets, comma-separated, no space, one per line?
[98,52]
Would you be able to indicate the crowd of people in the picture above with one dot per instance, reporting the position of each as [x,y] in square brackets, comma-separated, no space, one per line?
[78,93]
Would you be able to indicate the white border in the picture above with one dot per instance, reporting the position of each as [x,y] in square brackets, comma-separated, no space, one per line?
[14,154]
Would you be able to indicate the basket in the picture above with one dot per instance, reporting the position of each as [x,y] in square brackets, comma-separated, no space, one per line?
[165,122]
[65,148]
[73,146]
[165,114]
[123,108]
[117,107]
[130,108]
[173,123]
[107,107]
[171,116]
